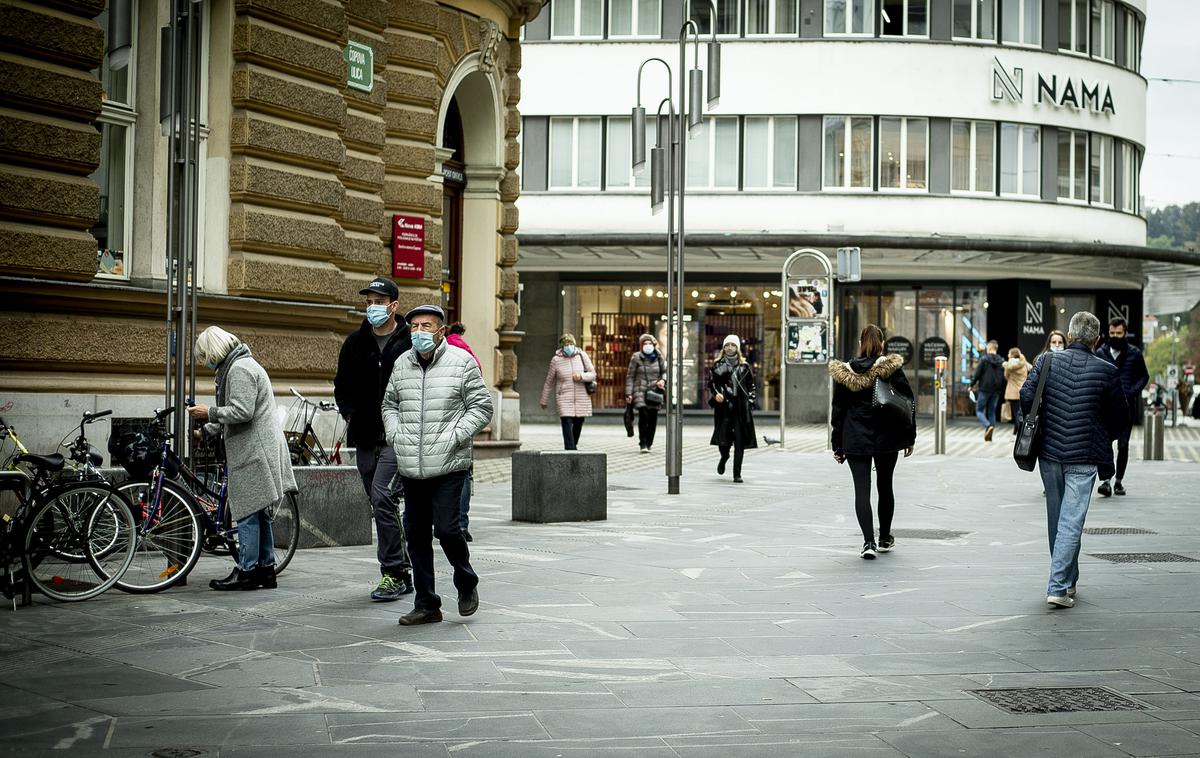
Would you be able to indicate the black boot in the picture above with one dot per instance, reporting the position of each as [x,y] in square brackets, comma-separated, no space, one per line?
[266,577]
[238,580]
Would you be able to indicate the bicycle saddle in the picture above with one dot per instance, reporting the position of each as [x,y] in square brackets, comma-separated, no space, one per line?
[53,462]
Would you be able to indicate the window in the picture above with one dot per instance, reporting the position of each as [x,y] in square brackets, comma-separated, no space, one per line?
[1073,26]
[1021,22]
[619,158]
[712,154]
[634,18]
[1020,160]
[849,17]
[1101,170]
[576,18]
[1133,41]
[770,152]
[903,145]
[1104,40]
[772,17]
[905,18]
[972,156]
[1072,165]
[974,19]
[114,229]
[574,153]
[1130,180]
[847,152]
[727,16]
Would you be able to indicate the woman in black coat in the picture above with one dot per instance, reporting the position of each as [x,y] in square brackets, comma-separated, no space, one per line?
[863,434]
[732,392]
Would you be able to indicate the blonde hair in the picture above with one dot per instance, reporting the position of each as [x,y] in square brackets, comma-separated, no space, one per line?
[214,343]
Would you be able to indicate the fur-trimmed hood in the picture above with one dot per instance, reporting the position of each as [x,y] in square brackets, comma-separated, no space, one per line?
[860,373]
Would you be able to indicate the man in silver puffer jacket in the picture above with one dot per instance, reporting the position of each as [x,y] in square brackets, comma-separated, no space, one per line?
[434,405]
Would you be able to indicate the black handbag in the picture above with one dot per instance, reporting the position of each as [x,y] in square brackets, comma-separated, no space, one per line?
[591,386]
[1029,434]
[891,404]
[654,397]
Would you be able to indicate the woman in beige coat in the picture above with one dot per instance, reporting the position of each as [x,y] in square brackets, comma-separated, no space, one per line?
[570,372]
[1016,368]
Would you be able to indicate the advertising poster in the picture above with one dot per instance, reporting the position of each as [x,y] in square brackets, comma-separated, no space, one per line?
[807,341]
[807,297]
[408,247]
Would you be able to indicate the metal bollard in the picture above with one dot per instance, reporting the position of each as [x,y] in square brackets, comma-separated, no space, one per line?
[939,408]
[1152,436]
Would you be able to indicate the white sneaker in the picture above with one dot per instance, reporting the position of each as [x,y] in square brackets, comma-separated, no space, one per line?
[868,551]
[1062,601]
[1070,592]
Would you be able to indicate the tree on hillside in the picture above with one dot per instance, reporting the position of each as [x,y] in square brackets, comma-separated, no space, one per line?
[1173,226]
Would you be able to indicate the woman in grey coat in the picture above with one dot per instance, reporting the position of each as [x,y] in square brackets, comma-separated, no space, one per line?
[257,460]
[646,372]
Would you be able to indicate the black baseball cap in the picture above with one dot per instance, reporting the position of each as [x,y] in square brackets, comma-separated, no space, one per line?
[435,310]
[381,286]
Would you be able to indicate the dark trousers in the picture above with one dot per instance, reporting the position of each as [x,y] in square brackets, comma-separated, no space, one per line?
[432,508]
[647,425]
[377,467]
[1014,406]
[465,499]
[1134,404]
[739,451]
[571,427]
[860,469]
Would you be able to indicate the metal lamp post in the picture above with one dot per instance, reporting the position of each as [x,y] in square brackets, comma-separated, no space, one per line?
[668,183]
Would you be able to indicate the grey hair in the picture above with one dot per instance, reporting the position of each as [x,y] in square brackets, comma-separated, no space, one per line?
[214,344]
[1084,328]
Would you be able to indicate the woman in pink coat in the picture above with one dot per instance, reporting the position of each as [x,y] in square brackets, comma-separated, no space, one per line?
[570,371]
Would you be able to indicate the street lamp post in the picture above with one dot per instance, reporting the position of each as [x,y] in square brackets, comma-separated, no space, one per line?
[669,157]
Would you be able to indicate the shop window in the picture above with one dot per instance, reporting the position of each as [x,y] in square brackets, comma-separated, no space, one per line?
[727,16]
[1130,179]
[634,18]
[576,18]
[974,19]
[767,17]
[1133,40]
[1021,22]
[905,18]
[849,17]
[1072,165]
[1100,170]
[972,156]
[574,153]
[712,154]
[1020,160]
[1073,26]
[770,152]
[1104,35]
[618,166]
[903,147]
[847,152]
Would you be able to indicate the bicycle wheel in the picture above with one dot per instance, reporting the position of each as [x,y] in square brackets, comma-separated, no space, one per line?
[78,541]
[285,525]
[168,536]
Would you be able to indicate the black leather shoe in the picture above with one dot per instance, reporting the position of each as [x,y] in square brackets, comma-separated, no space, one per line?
[467,536]
[420,616]
[468,603]
[737,480]
[238,580]
[1119,489]
[721,465]
[266,577]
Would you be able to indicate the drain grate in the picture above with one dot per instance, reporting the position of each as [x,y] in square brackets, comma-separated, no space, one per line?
[1116,530]
[1057,699]
[927,534]
[1144,557]
[176,752]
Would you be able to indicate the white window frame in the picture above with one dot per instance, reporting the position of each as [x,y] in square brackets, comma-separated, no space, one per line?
[1078,26]
[1107,148]
[575,160]
[633,23]
[1130,179]
[848,155]
[772,22]
[710,148]
[1023,9]
[1072,169]
[772,123]
[123,115]
[975,23]
[868,20]
[904,33]
[640,184]
[738,20]
[1133,41]
[576,34]
[904,122]
[1108,34]
[972,164]
[1023,192]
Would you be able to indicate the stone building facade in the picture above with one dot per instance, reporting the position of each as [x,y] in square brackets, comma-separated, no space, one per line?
[301,175]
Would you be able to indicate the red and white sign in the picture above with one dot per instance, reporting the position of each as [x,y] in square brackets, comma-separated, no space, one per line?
[408,247]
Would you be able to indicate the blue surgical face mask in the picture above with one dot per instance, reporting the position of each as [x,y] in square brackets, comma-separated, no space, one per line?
[1056,348]
[648,349]
[568,350]
[212,365]
[423,342]
[377,315]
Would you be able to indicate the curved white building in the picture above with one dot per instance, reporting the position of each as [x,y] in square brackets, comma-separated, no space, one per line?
[984,154]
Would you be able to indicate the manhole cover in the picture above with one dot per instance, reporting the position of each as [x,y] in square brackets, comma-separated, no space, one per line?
[176,752]
[1144,557]
[1057,699]
[1116,530]
[927,534]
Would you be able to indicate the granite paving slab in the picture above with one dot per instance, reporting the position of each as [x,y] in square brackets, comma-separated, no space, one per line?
[1146,739]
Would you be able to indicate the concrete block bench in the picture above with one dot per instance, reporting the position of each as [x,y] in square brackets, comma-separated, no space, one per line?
[559,485]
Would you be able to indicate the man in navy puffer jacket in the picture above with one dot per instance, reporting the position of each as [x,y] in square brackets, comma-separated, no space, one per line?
[1083,409]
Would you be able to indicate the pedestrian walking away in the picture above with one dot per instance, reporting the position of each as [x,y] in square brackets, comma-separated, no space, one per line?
[864,434]
[569,374]
[1131,369]
[364,366]
[1082,410]
[988,384]
[1016,369]
[454,335]
[434,405]
[645,388]
[732,394]
[258,465]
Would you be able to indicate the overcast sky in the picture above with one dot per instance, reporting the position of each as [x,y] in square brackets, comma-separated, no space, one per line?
[1171,172]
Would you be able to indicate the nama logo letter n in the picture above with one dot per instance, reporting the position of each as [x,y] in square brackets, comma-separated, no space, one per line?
[1033,311]
[1006,84]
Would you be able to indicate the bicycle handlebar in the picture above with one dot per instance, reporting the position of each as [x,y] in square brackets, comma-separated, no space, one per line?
[90,417]
[161,415]
[327,405]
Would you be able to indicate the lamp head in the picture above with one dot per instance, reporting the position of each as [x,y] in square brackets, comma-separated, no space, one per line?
[714,74]
[638,139]
[695,99]
[658,178]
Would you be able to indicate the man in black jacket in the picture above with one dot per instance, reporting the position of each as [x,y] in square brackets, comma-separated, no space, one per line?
[988,383]
[1131,368]
[364,367]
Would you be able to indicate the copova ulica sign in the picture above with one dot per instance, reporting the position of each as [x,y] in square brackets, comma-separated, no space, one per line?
[1060,91]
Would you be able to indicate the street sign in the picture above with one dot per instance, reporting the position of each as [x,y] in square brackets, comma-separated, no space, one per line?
[360,66]
[1172,375]
[849,264]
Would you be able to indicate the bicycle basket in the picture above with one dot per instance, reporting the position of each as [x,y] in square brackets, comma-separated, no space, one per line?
[136,452]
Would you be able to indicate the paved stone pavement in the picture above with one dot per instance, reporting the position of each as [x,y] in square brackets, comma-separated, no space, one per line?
[731,620]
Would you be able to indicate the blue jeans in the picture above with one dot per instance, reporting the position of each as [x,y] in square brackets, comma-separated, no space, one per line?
[1068,494]
[256,541]
[985,407]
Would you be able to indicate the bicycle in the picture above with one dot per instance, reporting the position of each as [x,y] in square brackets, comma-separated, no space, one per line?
[73,538]
[305,448]
[180,515]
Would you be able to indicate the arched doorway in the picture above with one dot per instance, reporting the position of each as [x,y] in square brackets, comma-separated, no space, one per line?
[454,184]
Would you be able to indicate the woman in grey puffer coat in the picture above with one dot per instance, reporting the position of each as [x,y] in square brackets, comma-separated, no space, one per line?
[257,460]
[646,372]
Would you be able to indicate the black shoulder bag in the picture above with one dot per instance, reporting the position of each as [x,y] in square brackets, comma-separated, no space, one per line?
[890,403]
[1029,434]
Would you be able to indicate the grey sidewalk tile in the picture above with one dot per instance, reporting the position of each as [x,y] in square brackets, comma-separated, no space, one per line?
[500,627]
[1128,682]
[642,722]
[773,746]
[260,671]
[857,718]
[1113,658]
[411,673]
[391,750]
[1146,739]
[63,727]
[1191,726]
[793,645]
[687,694]
[516,696]
[263,701]
[1027,743]
[703,628]
[287,637]
[637,648]
[181,731]
[891,664]
[96,678]
[977,640]
[1181,678]
[598,748]
[605,670]
[360,728]
[864,689]
[1174,706]
[806,665]
[976,714]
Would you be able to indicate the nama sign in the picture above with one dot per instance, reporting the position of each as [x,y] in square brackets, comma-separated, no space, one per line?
[1061,92]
